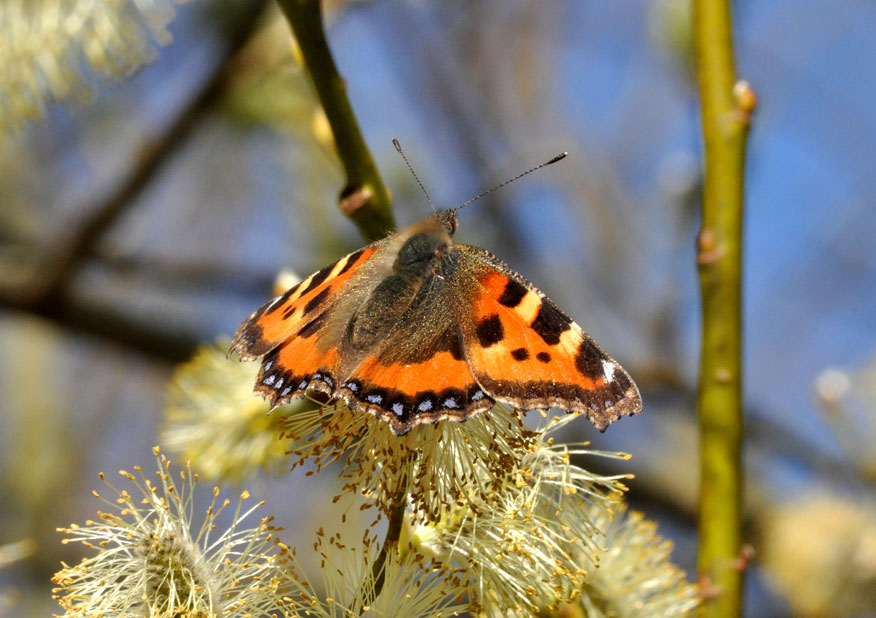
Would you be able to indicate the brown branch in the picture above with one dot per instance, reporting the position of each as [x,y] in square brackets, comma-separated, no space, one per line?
[40,285]
[88,313]
[118,326]
[396,517]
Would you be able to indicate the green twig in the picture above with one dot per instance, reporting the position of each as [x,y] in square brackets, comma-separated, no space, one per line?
[365,199]
[726,109]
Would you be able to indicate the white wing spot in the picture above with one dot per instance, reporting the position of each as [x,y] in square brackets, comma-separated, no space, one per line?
[279,384]
[375,398]
[398,409]
[286,391]
[450,402]
[425,405]
[269,380]
[608,367]
[354,388]
[303,385]
[328,381]
[477,396]
[268,365]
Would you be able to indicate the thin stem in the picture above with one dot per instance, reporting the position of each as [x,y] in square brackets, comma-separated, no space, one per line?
[365,199]
[726,109]
[373,585]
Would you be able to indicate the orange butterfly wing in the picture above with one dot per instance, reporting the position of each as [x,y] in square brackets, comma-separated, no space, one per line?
[296,366]
[524,351]
[285,315]
[405,393]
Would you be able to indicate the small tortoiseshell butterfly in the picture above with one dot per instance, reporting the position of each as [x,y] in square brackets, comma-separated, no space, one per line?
[415,328]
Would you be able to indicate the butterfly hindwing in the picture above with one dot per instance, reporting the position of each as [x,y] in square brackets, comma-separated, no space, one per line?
[298,365]
[524,351]
[285,315]
[437,387]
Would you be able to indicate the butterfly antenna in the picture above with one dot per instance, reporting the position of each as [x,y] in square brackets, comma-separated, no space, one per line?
[411,167]
[559,157]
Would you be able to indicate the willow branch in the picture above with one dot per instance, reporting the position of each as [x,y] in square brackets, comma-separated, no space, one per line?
[40,286]
[372,586]
[365,199]
[396,518]
[726,107]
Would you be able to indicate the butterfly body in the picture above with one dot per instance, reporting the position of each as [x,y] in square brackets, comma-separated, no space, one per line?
[418,329]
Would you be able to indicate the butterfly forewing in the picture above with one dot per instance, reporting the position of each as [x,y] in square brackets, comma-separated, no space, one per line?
[285,315]
[524,351]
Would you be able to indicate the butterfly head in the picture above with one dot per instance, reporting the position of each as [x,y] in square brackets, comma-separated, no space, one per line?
[448,219]
[424,242]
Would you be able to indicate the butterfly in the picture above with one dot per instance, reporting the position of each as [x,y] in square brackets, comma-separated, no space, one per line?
[416,329]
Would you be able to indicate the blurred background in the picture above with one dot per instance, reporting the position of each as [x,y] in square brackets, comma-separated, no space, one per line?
[151,208]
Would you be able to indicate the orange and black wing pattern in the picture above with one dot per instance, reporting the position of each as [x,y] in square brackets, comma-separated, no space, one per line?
[524,351]
[297,366]
[292,311]
[405,393]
